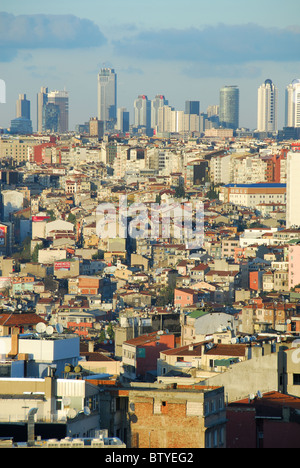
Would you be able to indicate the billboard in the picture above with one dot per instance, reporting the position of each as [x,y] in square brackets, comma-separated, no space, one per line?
[62,266]
[3,234]
[40,218]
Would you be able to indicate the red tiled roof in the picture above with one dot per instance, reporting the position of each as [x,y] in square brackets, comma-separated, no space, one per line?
[12,320]
[227,350]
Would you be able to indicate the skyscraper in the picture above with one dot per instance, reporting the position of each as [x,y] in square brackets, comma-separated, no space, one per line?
[142,112]
[229,107]
[23,107]
[22,123]
[267,107]
[292,104]
[51,118]
[156,103]
[42,99]
[61,99]
[192,107]
[123,120]
[107,95]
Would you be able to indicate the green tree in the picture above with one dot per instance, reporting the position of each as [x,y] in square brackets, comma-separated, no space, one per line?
[72,219]
[35,253]
[179,191]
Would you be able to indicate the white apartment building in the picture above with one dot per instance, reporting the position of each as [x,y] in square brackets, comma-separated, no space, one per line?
[293,189]
[251,195]
[267,107]
[292,104]
[257,236]
[221,169]
[248,170]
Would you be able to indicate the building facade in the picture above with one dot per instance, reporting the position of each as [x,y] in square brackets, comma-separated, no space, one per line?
[292,189]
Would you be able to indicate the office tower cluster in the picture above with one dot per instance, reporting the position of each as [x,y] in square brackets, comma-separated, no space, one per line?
[158,116]
[52,111]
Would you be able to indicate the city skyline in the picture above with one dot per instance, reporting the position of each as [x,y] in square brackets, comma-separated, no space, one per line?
[152,54]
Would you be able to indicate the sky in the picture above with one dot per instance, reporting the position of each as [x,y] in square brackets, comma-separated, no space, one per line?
[183,50]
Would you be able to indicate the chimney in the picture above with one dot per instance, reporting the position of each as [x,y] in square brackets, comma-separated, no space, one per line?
[91,346]
[14,345]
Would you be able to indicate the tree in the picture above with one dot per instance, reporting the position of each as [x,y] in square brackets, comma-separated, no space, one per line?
[72,218]
[35,253]
[179,191]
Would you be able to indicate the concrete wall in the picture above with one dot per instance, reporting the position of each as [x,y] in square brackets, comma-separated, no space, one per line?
[244,378]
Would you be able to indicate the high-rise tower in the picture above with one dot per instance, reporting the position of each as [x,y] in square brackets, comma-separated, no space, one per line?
[229,107]
[292,104]
[192,107]
[23,107]
[142,112]
[156,103]
[42,99]
[61,99]
[267,107]
[107,96]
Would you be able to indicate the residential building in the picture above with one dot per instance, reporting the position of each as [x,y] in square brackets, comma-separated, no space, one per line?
[62,407]
[185,297]
[292,189]
[183,416]
[294,266]
[292,104]
[139,355]
[251,195]
[198,324]
[96,128]
[263,420]
[267,119]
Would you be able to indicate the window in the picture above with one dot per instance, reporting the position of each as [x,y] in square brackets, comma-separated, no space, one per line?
[296,379]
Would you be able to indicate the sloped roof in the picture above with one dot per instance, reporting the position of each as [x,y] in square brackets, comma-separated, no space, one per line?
[15,320]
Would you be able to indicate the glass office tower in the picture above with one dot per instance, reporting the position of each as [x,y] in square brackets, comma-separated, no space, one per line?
[229,107]
[107,96]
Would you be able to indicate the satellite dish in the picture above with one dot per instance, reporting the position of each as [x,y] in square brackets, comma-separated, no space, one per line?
[59,328]
[72,413]
[41,327]
[86,410]
[19,306]
[49,330]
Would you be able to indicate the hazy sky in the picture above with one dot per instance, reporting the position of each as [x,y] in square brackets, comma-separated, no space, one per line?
[184,50]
